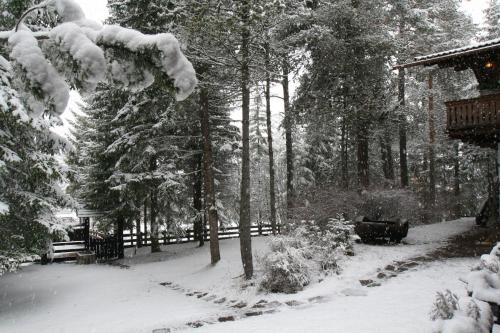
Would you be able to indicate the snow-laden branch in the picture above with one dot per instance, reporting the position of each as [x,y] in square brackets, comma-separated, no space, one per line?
[170,60]
[89,56]
[39,72]
[92,54]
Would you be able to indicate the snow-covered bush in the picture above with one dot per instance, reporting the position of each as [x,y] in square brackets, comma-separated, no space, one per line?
[308,248]
[444,306]
[472,314]
[286,267]
[483,283]
[452,314]
[8,264]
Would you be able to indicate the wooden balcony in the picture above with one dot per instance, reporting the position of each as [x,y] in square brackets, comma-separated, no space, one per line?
[475,121]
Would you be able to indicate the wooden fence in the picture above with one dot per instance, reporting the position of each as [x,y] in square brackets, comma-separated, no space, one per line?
[130,238]
[110,247]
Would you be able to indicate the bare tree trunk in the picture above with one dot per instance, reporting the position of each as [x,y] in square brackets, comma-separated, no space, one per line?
[245,236]
[432,139]
[288,138]
[197,202]
[272,193]
[344,156]
[208,172]
[155,244]
[138,242]
[362,152]
[145,240]
[456,169]
[403,162]
[386,154]
[119,237]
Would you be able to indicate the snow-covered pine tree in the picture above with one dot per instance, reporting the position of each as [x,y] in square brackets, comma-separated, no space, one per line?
[38,70]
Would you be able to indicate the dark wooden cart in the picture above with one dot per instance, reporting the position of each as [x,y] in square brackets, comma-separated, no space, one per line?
[370,230]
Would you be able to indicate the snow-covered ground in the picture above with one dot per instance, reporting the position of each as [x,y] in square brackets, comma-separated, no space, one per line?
[101,298]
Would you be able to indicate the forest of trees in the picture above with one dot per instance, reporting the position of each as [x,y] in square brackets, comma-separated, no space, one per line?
[356,135]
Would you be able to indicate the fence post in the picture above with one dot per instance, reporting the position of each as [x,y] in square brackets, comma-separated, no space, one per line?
[119,238]
[259,227]
[86,232]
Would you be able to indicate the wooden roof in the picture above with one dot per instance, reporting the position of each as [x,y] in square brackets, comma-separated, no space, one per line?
[449,58]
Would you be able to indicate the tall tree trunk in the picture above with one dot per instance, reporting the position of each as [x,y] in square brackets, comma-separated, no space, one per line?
[197,202]
[119,237]
[456,169]
[432,139]
[245,236]
[403,162]
[272,193]
[386,154]
[138,242]
[208,172]
[145,240]
[390,160]
[456,178]
[362,152]
[288,137]
[344,156]
[155,244]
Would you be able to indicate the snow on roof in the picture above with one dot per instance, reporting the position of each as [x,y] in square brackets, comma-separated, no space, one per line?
[493,43]
[434,58]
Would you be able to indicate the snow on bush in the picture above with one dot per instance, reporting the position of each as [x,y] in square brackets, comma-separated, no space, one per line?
[286,267]
[309,248]
[483,283]
[8,264]
[471,314]
[460,315]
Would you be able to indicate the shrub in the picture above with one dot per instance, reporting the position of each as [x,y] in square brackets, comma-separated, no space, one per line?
[286,267]
[309,247]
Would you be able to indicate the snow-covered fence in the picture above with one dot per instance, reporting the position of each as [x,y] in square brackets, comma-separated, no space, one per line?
[130,238]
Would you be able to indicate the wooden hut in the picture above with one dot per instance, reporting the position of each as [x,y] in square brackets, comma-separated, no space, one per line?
[477,120]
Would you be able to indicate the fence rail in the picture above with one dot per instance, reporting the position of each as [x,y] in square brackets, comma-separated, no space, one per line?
[110,247]
[475,112]
[130,239]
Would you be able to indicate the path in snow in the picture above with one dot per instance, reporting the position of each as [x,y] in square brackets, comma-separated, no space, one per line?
[400,305]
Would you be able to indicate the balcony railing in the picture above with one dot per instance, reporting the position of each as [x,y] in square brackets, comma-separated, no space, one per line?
[476,113]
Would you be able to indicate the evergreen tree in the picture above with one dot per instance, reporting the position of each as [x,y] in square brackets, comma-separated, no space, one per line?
[492,20]
[76,52]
